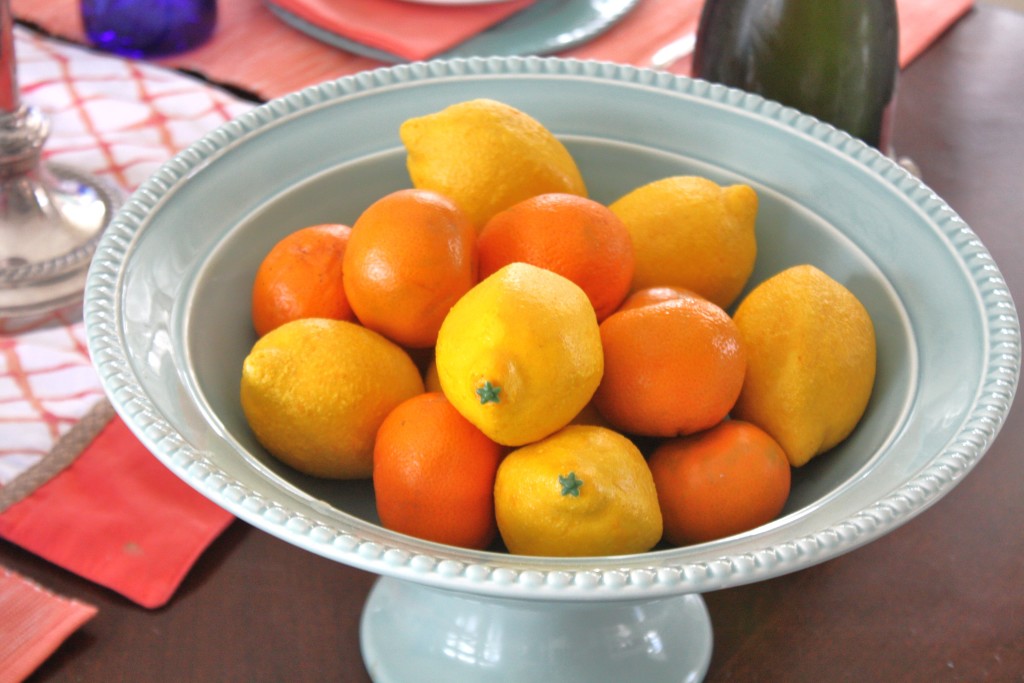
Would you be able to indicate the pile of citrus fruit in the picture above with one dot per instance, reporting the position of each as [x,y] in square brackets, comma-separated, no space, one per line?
[492,348]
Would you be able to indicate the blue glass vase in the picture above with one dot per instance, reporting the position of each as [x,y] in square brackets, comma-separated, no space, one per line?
[148,28]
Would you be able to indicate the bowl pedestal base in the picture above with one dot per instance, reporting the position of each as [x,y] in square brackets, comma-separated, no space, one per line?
[413,632]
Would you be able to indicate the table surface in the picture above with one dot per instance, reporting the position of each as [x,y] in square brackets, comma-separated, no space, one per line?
[939,599]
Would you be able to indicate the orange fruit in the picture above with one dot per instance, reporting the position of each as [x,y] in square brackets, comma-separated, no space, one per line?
[578,238]
[433,474]
[411,256]
[655,295]
[300,277]
[671,368]
[590,415]
[724,481]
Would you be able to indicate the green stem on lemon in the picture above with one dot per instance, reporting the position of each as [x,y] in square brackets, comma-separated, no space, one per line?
[488,393]
[570,484]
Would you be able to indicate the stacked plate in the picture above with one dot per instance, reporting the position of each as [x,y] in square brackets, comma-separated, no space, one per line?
[540,28]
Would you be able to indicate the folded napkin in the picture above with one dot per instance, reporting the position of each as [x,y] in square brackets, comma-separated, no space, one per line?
[408,29]
[923,21]
[33,623]
[76,487]
[114,514]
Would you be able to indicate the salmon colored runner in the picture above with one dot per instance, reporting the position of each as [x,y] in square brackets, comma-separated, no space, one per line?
[254,51]
[33,623]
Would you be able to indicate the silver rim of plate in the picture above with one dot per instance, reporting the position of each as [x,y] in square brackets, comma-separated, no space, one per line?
[351,540]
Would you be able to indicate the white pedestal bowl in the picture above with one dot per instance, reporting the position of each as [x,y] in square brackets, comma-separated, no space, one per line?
[168,325]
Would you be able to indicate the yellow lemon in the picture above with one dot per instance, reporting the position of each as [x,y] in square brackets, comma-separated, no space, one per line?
[314,392]
[690,232]
[430,379]
[810,361]
[519,355]
[486,156]
[583,491]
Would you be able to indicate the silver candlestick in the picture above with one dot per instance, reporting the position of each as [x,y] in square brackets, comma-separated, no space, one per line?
[51,216]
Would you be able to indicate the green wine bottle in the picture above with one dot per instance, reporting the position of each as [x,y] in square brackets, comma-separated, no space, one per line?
[834,59]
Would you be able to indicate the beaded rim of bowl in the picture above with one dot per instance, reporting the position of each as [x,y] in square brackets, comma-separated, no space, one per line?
[370,547]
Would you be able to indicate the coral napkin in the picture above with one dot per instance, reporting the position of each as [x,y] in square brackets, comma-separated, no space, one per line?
[115,515]
[75,486]
[33,623]
[407,29]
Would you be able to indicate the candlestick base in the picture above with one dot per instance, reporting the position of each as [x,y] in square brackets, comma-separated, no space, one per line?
[51,217]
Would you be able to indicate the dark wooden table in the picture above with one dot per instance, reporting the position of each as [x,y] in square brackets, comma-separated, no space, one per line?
[940,599]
